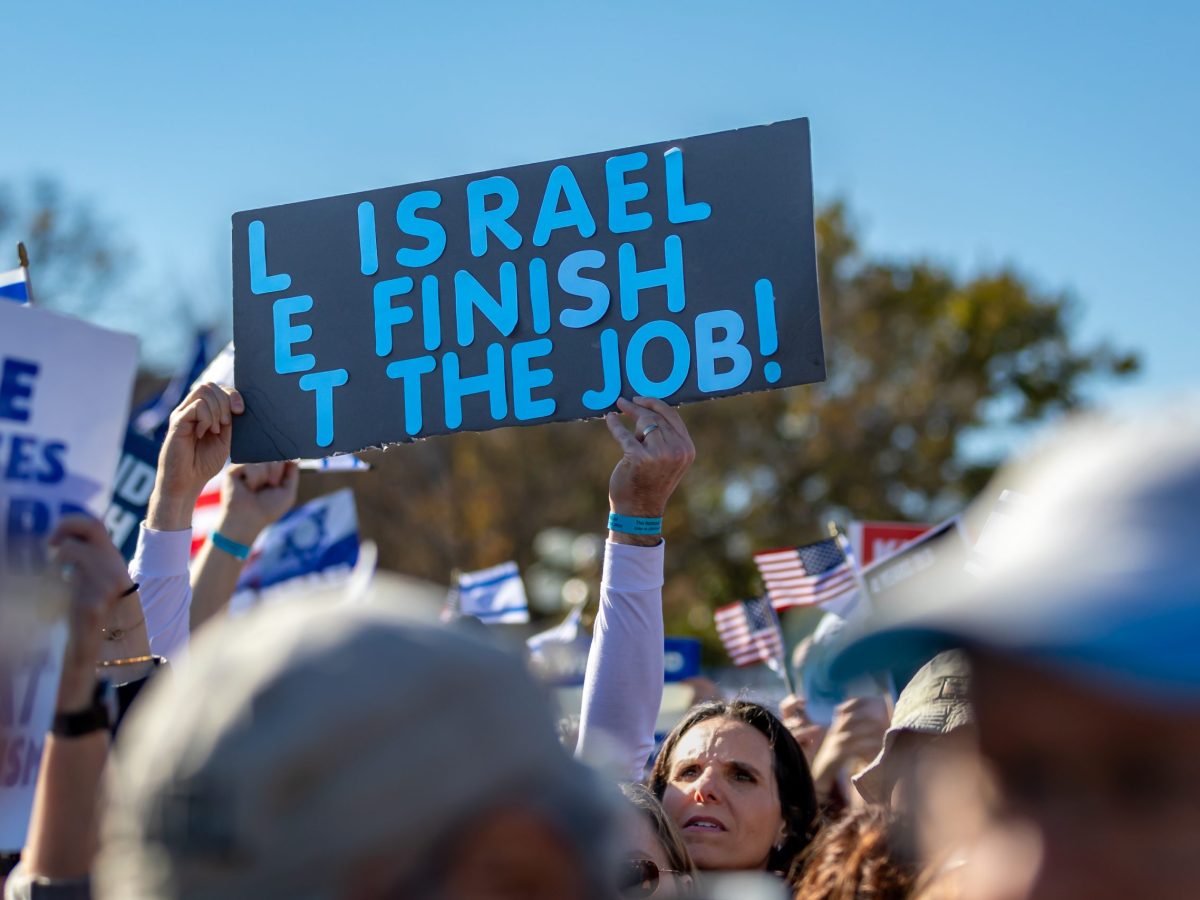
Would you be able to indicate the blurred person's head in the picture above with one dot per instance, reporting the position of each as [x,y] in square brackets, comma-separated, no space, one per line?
[653,838]
[1085,673]
[735,781]
[318,751]
[932,714]
[857,856]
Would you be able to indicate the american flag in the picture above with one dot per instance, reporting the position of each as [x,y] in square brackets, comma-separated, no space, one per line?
[750,631]
[808,575]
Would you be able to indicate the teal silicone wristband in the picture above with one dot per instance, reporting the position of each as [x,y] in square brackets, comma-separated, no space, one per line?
[635,524]
[230,546]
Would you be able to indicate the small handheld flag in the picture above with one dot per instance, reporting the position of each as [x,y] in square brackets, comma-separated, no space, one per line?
[316,541]
[806,576]
[750,631]
[495,596]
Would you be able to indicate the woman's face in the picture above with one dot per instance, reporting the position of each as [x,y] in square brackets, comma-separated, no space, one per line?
[721,792]
[644,844]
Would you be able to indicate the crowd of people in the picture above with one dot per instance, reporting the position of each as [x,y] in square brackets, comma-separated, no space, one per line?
[1047,746]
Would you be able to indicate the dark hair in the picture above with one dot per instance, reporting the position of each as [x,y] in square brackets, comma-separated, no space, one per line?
[856,856]
[797,796]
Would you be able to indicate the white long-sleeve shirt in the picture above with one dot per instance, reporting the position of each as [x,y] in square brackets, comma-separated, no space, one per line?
[160,566]
[623,686]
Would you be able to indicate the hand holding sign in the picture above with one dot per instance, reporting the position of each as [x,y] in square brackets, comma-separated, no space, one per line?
[254,496]
[656,455]
[97,579]
[196,448]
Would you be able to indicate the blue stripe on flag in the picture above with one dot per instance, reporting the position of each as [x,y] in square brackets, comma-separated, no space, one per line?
[498,579]
[17,291]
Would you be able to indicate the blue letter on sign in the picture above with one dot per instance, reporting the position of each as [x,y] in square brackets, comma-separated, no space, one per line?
[481,220]
[409,371]
[490,382]
[526,379]
[411,223]
[708,351]
[470,295]
[323,384]
[16,385]
[562,182]
[387,316]
[572,282]
[260,281]
[620,194]
[678,209]
[610,370]
[287,334]
[669,276]
[681,361]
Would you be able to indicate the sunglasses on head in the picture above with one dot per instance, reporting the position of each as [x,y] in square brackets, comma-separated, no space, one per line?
[639,877]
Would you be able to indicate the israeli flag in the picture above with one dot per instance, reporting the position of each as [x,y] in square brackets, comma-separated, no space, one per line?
[14,285]
[495,596]
[316,542]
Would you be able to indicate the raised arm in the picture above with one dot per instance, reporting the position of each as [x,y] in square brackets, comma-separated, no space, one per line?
[62,835]
[253,496]
[196,448]
[622,690]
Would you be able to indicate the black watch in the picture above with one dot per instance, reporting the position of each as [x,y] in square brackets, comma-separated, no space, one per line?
[100,715]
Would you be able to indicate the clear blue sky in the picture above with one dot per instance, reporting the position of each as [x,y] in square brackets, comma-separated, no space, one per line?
[1062,137]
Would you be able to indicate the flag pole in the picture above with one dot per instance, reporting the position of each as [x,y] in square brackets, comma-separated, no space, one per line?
[779,664]
[23,261]
[844,543]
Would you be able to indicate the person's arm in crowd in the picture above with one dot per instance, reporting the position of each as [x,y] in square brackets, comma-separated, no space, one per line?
[196,448]
[62,836]
[252,497]
[808,734]
[622,689]
[854,738]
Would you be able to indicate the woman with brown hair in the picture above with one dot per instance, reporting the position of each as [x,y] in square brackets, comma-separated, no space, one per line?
[856,857]
[730,775]
[735,782]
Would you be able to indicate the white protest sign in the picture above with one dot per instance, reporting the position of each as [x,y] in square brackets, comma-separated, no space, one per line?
[64,402]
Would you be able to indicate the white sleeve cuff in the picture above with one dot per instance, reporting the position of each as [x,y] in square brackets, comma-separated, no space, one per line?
[162,554]
[628,567]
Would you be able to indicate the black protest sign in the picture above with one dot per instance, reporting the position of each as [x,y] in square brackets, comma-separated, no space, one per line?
[682,270]
[923,567]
